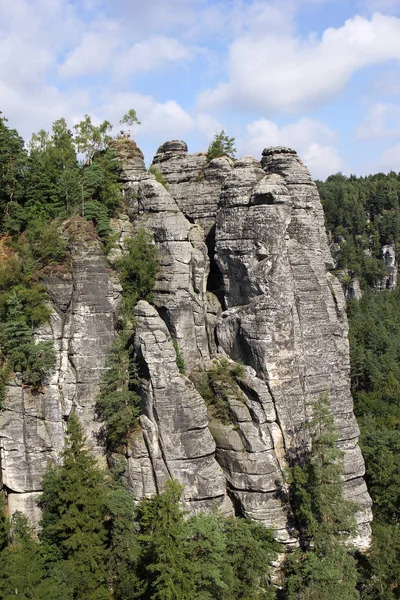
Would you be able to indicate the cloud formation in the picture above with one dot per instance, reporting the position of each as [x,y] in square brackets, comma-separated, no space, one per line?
[382,121]
[313,141]
[278,74]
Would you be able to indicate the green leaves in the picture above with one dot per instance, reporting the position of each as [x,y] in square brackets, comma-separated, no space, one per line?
[138,268]
[73,526]
[222,145]
[117,404]
[90,138]
[323,567]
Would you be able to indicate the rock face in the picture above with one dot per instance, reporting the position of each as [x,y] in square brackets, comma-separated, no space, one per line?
[389,282]
[245,275]
[82,329]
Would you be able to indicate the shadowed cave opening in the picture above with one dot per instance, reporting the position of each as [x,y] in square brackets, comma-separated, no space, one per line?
[215,281]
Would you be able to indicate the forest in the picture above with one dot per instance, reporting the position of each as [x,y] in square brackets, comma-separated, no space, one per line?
[94,543]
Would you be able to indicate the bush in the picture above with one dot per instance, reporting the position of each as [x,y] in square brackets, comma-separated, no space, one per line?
[218,385]
[154,170]
[180,361]
[138,269]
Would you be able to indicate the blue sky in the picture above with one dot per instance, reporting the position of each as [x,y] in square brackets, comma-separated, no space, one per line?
[321,76]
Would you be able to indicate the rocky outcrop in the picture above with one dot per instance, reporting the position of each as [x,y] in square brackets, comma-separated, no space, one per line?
[194,183]
[285,312]
[82,329]
[245,275]
[389,282]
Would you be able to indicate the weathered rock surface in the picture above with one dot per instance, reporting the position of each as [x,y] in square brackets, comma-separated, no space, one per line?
[245,273]
[285,313]
[82,329]
[194,183]
[389,282]
[174,422]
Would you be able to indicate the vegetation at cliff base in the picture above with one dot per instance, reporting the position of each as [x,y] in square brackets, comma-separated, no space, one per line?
[323,566]
[95,545]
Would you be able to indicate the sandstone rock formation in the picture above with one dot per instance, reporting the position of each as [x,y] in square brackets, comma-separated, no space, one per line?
[389,282]
[246,275]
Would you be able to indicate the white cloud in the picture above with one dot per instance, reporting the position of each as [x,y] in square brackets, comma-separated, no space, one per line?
[389,160]
[313,141]
[207,125]
[278,73]
[92,55]
[152,53]
[381,121]
[160,120]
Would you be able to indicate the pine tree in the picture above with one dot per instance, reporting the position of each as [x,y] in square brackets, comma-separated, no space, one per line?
[73,523]
[222,145]
[21,563]
[323,567]
[165,565]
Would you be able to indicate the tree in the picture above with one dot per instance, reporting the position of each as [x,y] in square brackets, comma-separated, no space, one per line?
[138,268]
[74,532]
[12,166]
[222,145]
[21,563]
[165,565]
[90,138]
[250,548]
[323,566]
[130,118]
[124,547]
[118,406]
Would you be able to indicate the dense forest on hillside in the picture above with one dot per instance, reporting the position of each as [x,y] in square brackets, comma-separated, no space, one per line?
[363,215]
[94,543]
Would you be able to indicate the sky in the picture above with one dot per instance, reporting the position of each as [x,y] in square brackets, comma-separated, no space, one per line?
[320,76]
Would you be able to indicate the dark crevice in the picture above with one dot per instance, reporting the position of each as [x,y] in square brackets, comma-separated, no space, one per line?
[215,281]
[237,505]
[165,316]
[142,368]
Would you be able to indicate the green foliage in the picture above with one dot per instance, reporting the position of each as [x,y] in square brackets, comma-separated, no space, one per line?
[154,170]
[250,549]
[130,118]
[218,385]
[165,564]
[118,406]
[90,138]
[180,361]
[73,526]
[46,244]
[205,557]
[12,166]
[124,547]
[222,145]
[323,566]
[21,563]
[380,569]
[362,214]
[374,353]
[33,360]
[138,269]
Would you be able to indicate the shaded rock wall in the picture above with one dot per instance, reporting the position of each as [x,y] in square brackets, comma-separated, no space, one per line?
[245,274]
